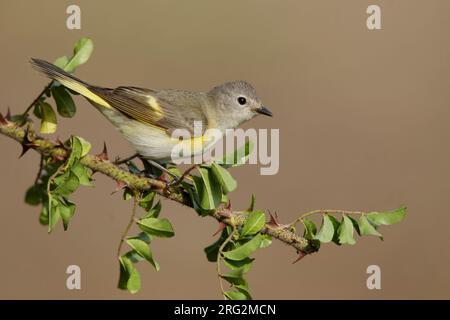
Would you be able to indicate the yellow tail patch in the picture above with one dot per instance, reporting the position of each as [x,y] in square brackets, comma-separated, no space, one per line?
[81,89]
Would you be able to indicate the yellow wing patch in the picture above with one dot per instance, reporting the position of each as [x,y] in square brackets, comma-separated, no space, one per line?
[153,103]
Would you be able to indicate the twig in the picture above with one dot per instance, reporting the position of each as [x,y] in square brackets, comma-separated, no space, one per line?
[130,223]
[219,256]
[35,101]
[139,183]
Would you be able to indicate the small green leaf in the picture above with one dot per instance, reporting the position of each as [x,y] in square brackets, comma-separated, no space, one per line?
[310,229]
[244,250]
[336,225]
[129,276]
[66,211]
[147,201]
[48,123]
[326,232]
[234,276]
[243,288]
[154,211]
[367,229]
[143,249]
[224,177]
[209,193]
[212,250]
[83,174]
[254,223]
[387,218]
[238,157]
[243,265]
[233,295]
[266,241]
[346,231]
[34,194]
[66,183]
[61,62]
[53,214]
[81,53]
[64,102]
[43,216]
[157,227]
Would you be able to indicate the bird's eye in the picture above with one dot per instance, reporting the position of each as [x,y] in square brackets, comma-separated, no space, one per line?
[242,101]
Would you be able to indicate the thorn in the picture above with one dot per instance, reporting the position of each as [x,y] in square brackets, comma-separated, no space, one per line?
[300,256]
[25,148]
[119,186]
[8,114]
[273,219]
[221,227]
[104,154]
[228,206]
[3,120]
[59,143]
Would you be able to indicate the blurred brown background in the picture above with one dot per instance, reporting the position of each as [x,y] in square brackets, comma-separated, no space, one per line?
[363,118]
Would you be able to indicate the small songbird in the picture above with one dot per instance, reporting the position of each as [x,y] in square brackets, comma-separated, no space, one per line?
[147,117]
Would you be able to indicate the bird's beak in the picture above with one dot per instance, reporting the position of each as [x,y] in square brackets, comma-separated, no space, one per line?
[263,110]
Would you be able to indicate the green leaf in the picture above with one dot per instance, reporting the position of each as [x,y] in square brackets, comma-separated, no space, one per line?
[238,157]
[66,183]
[212,250]
[83,174]
[81,53]
[34,194]
[346,231]
[43,216]
[326,232]
[266,241]
[66,211]
[224,177]
[157,227]
[243,265]
[233,295]
[254,223]
[147,201]
[387,218]
[243,288]
[49,122]
[53,214]
[143,249]
[61,62]
[367,229]
[209,192]
[310,229]
[64,102]
[234,276]
[244,250]
[154,211]
[129,276]
[336,225]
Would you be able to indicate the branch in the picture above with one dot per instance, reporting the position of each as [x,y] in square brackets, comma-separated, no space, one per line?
[29,140]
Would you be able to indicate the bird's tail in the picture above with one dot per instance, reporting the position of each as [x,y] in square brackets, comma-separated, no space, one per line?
[67,80]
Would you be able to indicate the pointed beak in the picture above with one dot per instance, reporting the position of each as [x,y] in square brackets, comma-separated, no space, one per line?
[263,110]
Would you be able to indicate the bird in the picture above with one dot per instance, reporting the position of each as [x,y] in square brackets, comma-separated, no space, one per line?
[147,118]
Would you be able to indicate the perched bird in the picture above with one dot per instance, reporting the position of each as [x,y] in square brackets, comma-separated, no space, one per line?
[147,118]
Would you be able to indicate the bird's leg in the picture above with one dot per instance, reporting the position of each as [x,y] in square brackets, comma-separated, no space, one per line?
[119,161]
[150,164]
[178,180]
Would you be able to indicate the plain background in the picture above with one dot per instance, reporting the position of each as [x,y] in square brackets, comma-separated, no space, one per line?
[363,118]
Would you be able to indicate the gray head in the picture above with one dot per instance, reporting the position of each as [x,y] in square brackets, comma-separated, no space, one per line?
[237,102]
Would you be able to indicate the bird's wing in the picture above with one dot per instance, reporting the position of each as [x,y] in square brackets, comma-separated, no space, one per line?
[147,106]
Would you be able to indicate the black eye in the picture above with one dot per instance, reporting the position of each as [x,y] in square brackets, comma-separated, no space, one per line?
[242,101]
